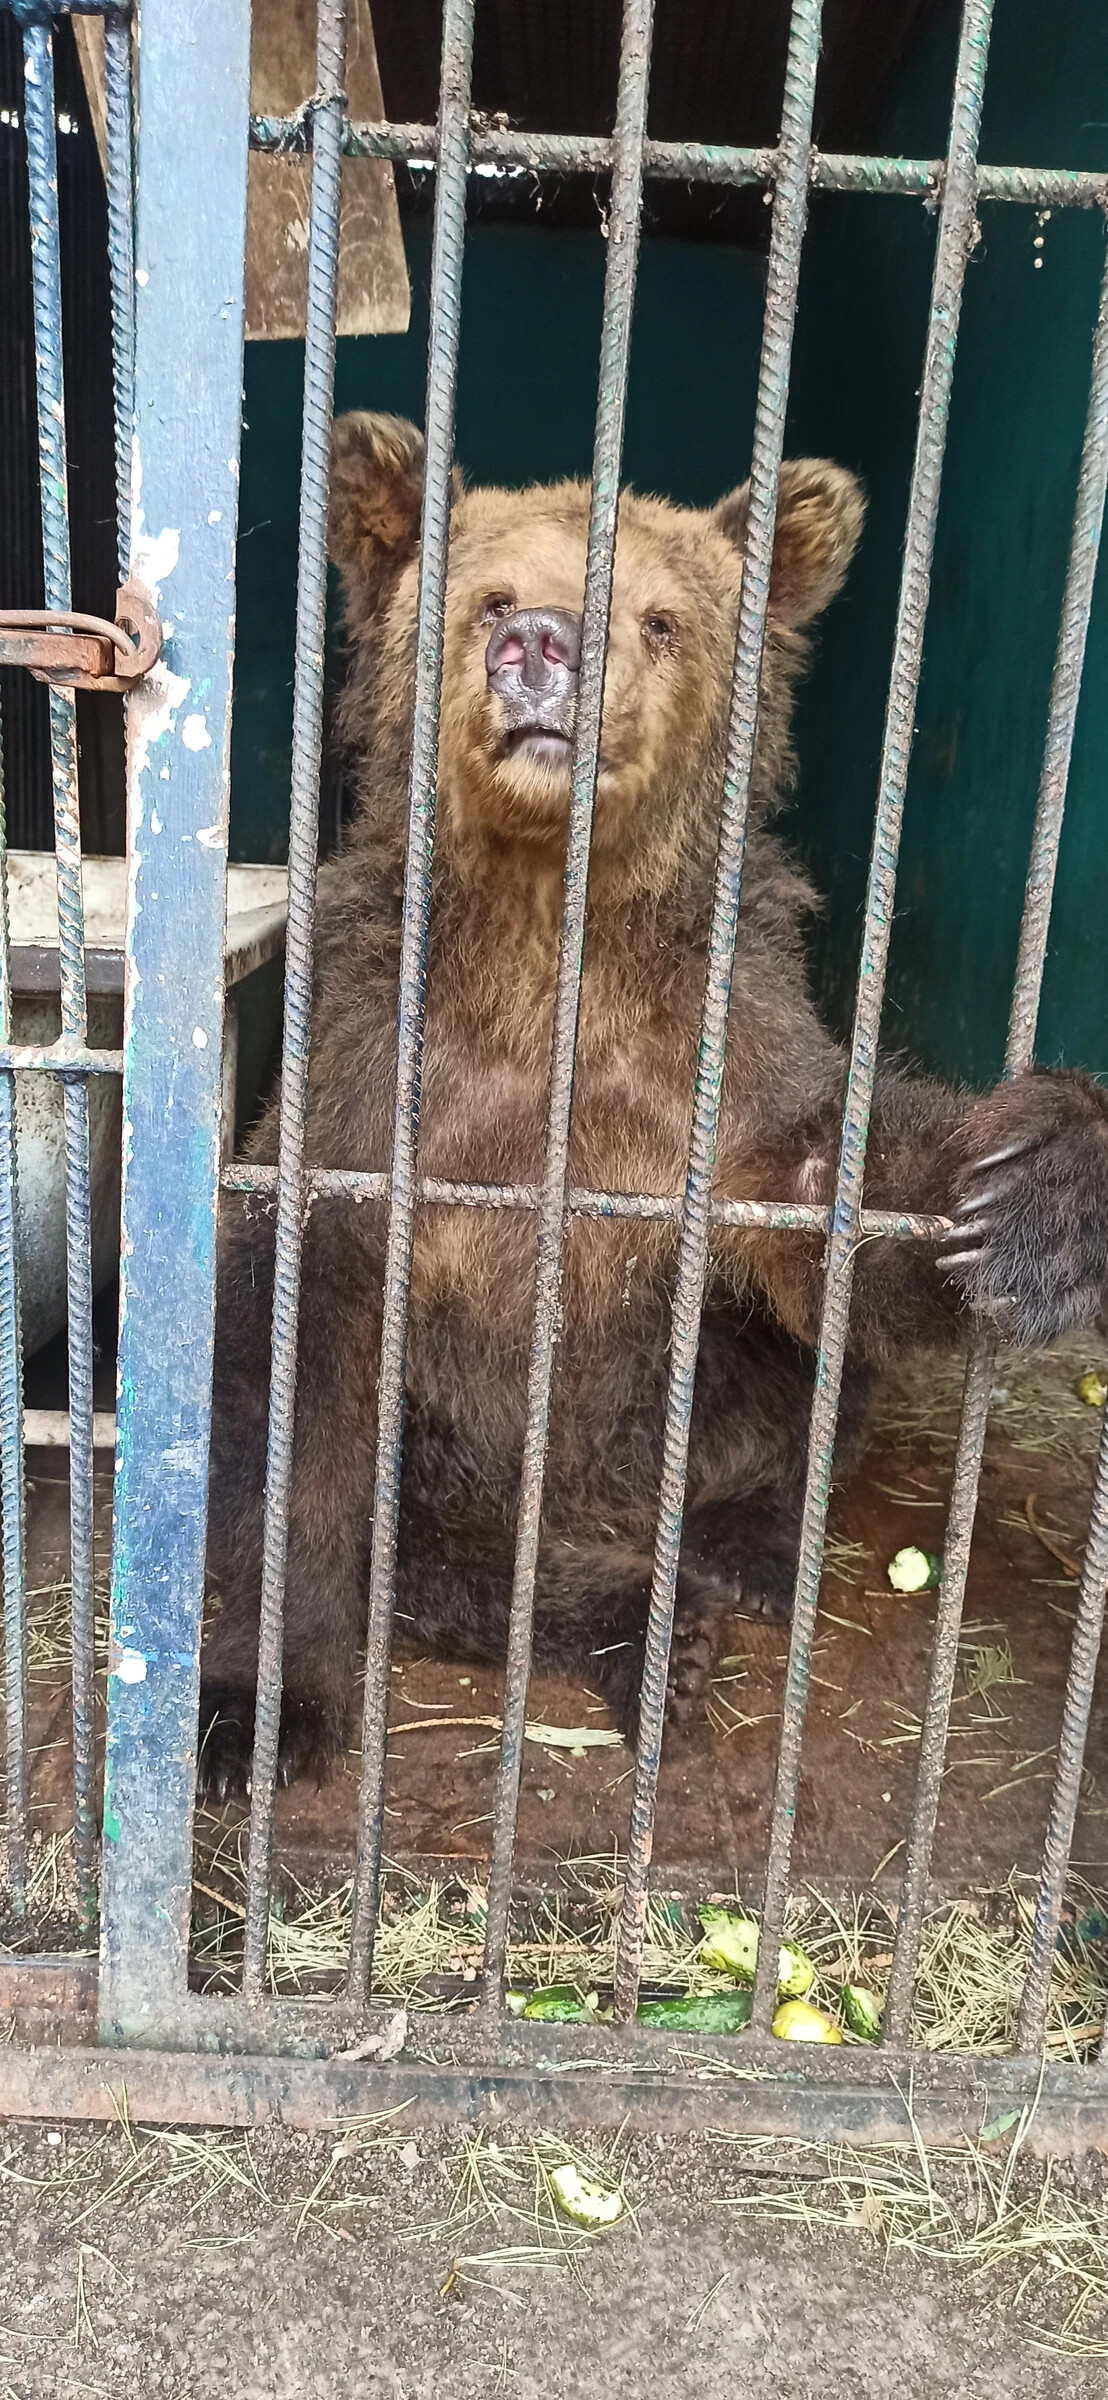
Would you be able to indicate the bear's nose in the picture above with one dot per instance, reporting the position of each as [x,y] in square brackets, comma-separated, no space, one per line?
[536,650]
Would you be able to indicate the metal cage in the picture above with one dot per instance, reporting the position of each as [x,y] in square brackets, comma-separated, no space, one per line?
[177,292]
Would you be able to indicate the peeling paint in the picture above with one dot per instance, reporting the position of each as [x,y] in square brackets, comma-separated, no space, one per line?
[130,1667]
[181,1458]
[153,708]
[194,733]
[154,557]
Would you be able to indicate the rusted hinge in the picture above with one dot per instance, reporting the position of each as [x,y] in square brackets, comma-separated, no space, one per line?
[60,645]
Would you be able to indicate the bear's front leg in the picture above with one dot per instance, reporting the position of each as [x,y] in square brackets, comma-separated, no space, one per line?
[1029,1248]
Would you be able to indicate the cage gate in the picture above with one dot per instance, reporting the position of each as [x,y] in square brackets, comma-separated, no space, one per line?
[177,249]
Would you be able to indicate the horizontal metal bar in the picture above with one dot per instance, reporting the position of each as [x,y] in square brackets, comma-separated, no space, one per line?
[30,12]
[48,1429]
[36,967]
[67,646]
[64,1981]
[923,178]
[335,1183]
[54,657]
[69,1059]
[290,2025]
[694,162]
[1067,2107]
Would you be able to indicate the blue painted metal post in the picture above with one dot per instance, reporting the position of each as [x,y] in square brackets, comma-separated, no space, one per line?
[192,101]
[12,1529]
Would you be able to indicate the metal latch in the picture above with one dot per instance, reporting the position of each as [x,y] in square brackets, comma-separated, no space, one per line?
[60,645]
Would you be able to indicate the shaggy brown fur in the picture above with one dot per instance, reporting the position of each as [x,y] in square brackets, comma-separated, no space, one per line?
[1027,1165]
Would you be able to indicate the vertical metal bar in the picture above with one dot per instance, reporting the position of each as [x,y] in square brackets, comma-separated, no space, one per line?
[615,351]
[1084,1654]
[230,1083]
[786,237]
[191,155]
[328,110]
[121,262]
[42,173]
[1065,692]
[961,1511]
[11,1432]
[447,241]
[955,239]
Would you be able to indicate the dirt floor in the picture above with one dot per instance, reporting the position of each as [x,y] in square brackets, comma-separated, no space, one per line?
[242,2265]
[374,2261]
[868,1686]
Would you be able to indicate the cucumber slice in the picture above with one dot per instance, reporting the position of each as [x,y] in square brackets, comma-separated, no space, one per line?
[915,1570]
[861,2012]
[583,2199]
[561,2004]
[699,2012]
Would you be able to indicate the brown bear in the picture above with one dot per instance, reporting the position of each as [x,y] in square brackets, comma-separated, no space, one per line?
[1023,1171]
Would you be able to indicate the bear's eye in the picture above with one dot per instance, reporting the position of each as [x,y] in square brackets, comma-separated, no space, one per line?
[497,604]
[660,631]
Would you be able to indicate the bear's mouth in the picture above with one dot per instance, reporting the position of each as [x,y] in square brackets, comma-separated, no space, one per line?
[540,745]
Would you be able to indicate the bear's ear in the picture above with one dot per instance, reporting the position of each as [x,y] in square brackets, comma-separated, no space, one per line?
[376,497]
[819,518]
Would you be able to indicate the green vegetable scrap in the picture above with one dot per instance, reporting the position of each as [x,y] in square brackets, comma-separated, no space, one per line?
[862,2012]
[1093,1389]
[583,2199]
[915,1570]
[730,1945]
[561,2004]
[698,2012]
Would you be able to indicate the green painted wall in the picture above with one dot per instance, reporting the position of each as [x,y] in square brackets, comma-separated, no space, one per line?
[525,405]
[1008,490]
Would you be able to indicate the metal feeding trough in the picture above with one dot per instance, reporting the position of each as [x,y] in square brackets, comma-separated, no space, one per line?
[256,909]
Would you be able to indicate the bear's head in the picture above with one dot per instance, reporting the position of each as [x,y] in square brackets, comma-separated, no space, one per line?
[511,653]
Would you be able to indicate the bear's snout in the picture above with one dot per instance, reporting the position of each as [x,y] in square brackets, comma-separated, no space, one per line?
[531,664]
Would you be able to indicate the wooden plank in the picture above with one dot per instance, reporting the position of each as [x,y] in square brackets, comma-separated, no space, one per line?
[373,276]
[374,295]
